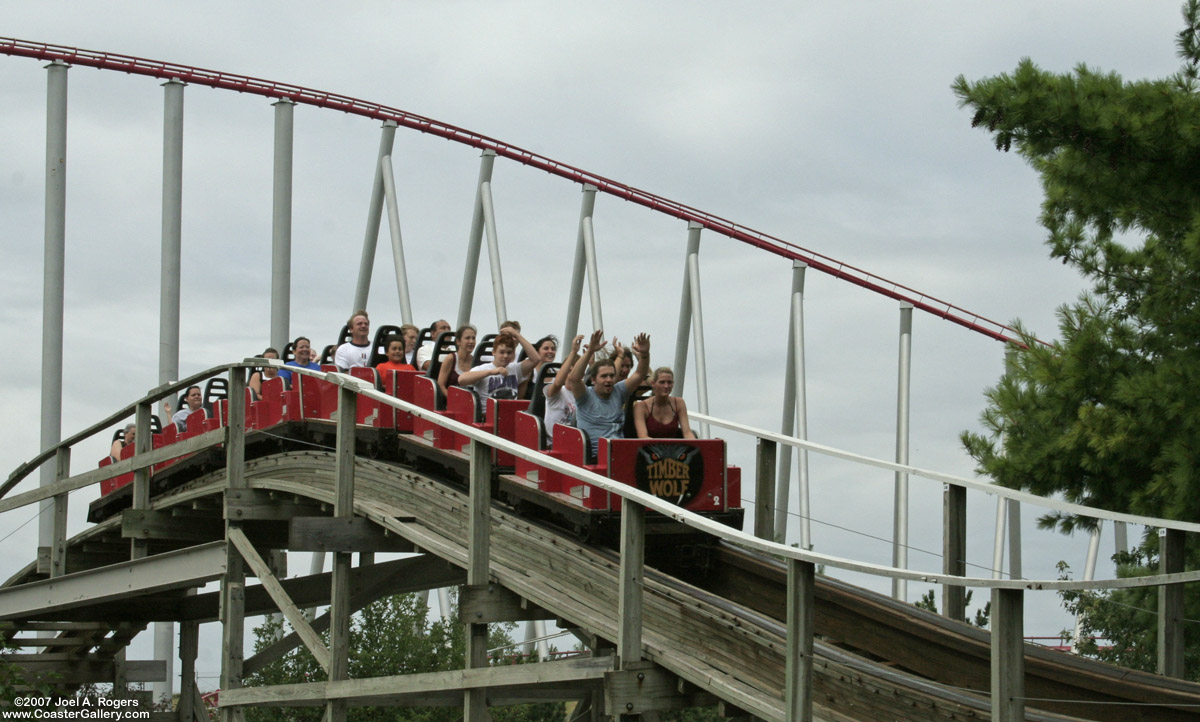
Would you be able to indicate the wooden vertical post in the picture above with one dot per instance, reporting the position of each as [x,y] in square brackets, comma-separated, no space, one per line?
[343,508]
[58,539]
[189,644]
[233,584]
[954,550]
[1008,655]
[633,554]
[141,478]
[798,692]
[1170,605]
[764,490]
[478,574]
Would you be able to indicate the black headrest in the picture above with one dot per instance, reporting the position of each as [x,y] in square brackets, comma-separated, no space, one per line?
[537,403]
[379,349]
[484,347]
[327,354]
[289,352]
[443,344]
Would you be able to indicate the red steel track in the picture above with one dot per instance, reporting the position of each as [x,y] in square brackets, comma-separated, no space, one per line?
[321,99]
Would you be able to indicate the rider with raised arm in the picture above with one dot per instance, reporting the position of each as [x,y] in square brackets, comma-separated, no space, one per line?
[600,408]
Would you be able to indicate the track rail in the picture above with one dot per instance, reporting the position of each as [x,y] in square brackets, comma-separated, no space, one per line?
[322,99]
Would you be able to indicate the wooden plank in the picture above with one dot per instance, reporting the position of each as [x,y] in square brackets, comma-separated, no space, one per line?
[493,603]
[766,456]
[160,524]
[629,610]
[954,550]
[645,687]
[334,534]
[1008,656]
[397,690]
[1170,605]
[293,614]
[87,671]
[190,567]
[260,505]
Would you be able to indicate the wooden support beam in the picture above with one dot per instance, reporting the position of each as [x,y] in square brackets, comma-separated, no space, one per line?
[1008,655]
[629,606]
[478,570]
[152,524]
[1170,605]
[343,508]
[88,670]
[194,566]
[189,647]
[798,681]
[233,584]
[142,445]
[954,550]
[764,489]
[58,538]
[337,534]
[262,505]
[439,688]
[395,577]
[643,687]
[493,603]
[295,617]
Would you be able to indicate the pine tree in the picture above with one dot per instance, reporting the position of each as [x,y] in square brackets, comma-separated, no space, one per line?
[1109,414]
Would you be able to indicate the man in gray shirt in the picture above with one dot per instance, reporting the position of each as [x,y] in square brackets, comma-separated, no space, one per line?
[600,408]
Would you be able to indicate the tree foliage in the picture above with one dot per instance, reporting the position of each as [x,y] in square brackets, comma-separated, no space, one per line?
[1109,414]
[391,636]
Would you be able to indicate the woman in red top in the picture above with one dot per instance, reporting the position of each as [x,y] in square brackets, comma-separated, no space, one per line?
[662,416]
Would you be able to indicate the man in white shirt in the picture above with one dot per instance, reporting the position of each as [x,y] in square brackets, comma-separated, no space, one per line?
[357,351]
[425,353]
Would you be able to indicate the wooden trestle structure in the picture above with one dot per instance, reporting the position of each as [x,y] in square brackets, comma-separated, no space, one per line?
[657,642]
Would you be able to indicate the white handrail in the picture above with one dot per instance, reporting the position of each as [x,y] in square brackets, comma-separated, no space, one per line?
[985,487]
[695,521]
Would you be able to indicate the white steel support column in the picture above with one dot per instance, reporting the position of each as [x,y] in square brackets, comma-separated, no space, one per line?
[374,216]
[53,281]
[281,227]
[998,542]
[578,269]
[693,265]
[493,243]
[1089,573]
[393,212]
[593,272]
[900,505]
[172,232]
[795,418]
[474,241]
[1014,539]
[168,323]
[684,329]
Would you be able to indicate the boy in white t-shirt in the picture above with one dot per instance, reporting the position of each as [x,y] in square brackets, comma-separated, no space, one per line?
[500,377]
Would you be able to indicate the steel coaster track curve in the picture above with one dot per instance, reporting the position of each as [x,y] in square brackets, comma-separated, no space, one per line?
[321,99]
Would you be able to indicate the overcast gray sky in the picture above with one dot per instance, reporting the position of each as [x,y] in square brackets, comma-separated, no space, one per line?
[829,124]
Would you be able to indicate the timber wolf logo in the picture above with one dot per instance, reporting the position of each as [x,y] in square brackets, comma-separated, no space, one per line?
[672,472]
